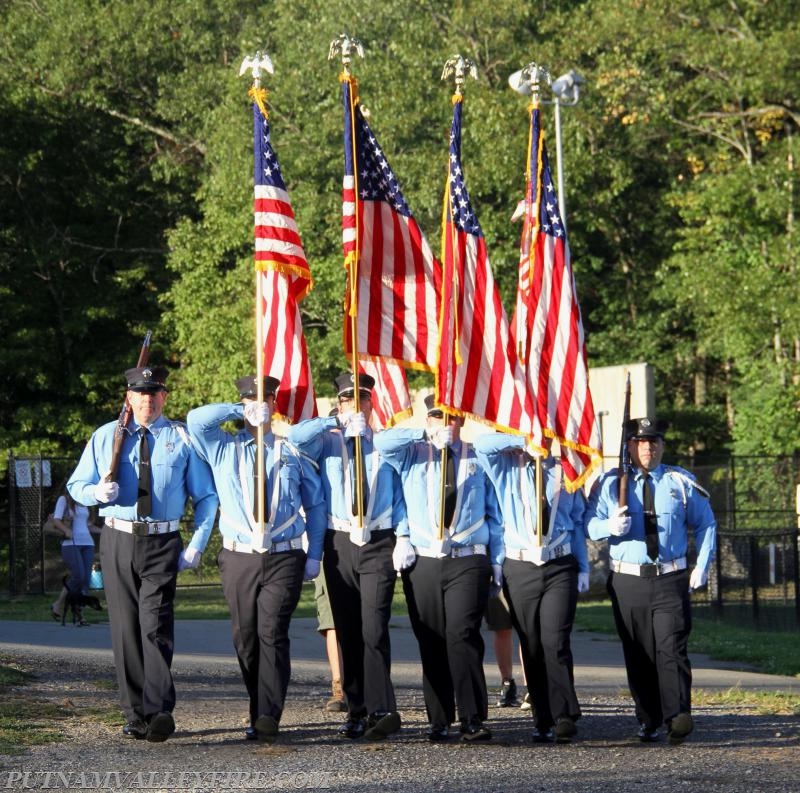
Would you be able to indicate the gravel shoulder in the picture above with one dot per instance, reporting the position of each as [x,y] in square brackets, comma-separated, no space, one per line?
[730,751]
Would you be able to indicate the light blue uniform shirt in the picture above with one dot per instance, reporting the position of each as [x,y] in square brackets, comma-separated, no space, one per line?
[298,482]
[514,481]
[680,504]
[322,441]
[418,463]
[177,472]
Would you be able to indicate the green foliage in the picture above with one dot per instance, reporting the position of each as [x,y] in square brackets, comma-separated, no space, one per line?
[126,173]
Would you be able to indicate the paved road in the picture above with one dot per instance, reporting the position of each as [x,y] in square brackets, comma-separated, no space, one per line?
[598,658]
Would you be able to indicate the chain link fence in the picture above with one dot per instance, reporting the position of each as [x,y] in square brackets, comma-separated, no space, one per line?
[755,575]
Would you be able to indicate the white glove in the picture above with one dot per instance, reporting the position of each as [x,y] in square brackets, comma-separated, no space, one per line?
[698,578]
[443,437]
[311,570]
[404,555]
[257,413]
[106,492]
[619,523]
[497,581]
[189,559]
[583,582]
[356,425]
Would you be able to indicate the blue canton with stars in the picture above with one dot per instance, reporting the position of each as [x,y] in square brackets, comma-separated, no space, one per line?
[460,210]
[549,216]
[267,172]
[375,179]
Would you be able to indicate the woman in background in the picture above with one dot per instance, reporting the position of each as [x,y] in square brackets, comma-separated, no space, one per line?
[77,551]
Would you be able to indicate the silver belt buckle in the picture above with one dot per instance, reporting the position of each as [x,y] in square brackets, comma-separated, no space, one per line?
[139,528]
[649,570]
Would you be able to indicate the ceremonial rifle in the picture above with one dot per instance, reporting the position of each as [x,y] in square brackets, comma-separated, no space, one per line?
[624,456]
[125,415]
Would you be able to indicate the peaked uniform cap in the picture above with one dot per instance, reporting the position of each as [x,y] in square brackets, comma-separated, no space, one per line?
[345,384]
[147,378]
[248,388]
[645,427]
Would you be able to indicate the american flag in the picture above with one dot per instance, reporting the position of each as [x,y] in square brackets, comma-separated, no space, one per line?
[477,373]
[547,325]
[285,277]
[391,400]
[396,305]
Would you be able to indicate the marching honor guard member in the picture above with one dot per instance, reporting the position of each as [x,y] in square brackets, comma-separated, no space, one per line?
[543,573]
[446,580]
[649,582]
[262,572]
[141,549]
[358,558]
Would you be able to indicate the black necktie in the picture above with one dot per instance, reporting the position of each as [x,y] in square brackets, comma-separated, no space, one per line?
[144,504]
[262,483]
[545,516]
[650,522]
[449,488]
[364,490]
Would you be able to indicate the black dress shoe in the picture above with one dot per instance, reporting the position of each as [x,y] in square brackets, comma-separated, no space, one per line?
[381,725]
[565,730]
[437,733]
[352,728]
[474,731]
[646,735]
[543,736]
[678,728]
[266,728]
[135,729]
[161,726]
[250,734]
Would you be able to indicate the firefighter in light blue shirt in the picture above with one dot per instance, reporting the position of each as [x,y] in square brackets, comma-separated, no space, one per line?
[140,546]
[542,575]
[262,572]
[649,583]
[358,554]
[446,581]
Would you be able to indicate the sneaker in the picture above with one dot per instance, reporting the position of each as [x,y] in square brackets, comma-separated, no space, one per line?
[336,704]
[526,703]
[678,728]
[507,697]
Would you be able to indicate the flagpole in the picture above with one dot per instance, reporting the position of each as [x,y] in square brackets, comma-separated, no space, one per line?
[458,68]
[256,65]
[345,45]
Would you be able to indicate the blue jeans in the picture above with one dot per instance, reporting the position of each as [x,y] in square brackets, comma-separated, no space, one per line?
[78,559]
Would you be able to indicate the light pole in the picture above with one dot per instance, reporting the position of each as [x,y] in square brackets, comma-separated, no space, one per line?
[566,91]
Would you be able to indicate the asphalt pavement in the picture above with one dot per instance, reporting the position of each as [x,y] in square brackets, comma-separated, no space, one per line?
[598,657]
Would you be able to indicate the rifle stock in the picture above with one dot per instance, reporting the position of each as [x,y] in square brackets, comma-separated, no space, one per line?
[125,415]
[624,456]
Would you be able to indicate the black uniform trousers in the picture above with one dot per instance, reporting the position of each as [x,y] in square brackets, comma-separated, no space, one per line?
[360,581]
[446,600]
[262,591]
[653,618]
[542,600]
[139,575]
